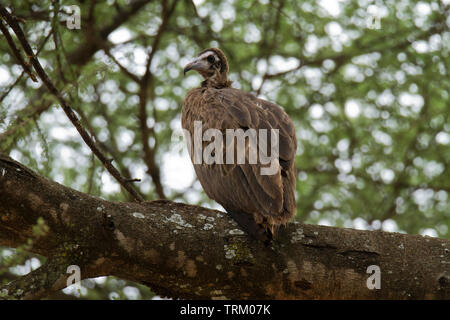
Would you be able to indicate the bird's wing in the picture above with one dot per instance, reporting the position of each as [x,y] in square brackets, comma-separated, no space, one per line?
[234,109]
[287,150]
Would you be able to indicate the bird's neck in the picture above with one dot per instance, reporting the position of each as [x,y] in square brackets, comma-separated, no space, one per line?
[218,80]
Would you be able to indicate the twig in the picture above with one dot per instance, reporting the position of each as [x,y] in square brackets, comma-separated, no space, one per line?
[91,175]
[12,45]
[20,122]
[23,72]
[44,146]
[11,86]
[55,39]
[131,75]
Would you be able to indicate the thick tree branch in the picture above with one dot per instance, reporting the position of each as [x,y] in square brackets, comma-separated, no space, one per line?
[188,251]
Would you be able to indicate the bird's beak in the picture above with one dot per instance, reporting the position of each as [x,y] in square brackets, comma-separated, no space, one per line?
[197,64]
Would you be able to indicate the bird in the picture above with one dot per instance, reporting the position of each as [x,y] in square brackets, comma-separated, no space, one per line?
[259,203]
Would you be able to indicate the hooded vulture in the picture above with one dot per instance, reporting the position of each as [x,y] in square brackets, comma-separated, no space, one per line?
[258,202]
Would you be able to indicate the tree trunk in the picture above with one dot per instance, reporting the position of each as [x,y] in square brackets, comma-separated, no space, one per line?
[185,251]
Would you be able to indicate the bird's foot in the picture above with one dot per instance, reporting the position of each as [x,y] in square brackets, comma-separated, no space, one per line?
[256,231]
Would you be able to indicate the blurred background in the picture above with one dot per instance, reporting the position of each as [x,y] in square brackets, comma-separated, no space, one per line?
[366,83]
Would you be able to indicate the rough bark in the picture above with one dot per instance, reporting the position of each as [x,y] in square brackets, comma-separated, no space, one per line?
[187,251]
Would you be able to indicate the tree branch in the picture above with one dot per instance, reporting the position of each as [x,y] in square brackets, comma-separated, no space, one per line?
[66,107]
[39,283]
[145,83]
[96,41]
[378,45]
[12,45]
[161,244]
[85,51]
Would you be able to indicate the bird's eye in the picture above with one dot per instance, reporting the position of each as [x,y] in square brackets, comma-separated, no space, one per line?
[210,59]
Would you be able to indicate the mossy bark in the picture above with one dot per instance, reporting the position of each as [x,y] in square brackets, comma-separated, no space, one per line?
[186,251]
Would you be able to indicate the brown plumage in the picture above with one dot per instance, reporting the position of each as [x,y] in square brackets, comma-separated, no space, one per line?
[259,203]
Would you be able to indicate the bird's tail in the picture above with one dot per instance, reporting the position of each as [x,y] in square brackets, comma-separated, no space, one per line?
[255,230]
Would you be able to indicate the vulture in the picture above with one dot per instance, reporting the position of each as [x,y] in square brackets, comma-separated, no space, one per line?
[259,203]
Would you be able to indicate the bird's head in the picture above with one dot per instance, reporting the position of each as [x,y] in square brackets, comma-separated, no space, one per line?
[212,65]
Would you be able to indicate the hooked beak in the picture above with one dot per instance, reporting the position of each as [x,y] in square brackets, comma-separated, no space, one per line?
[198,65]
